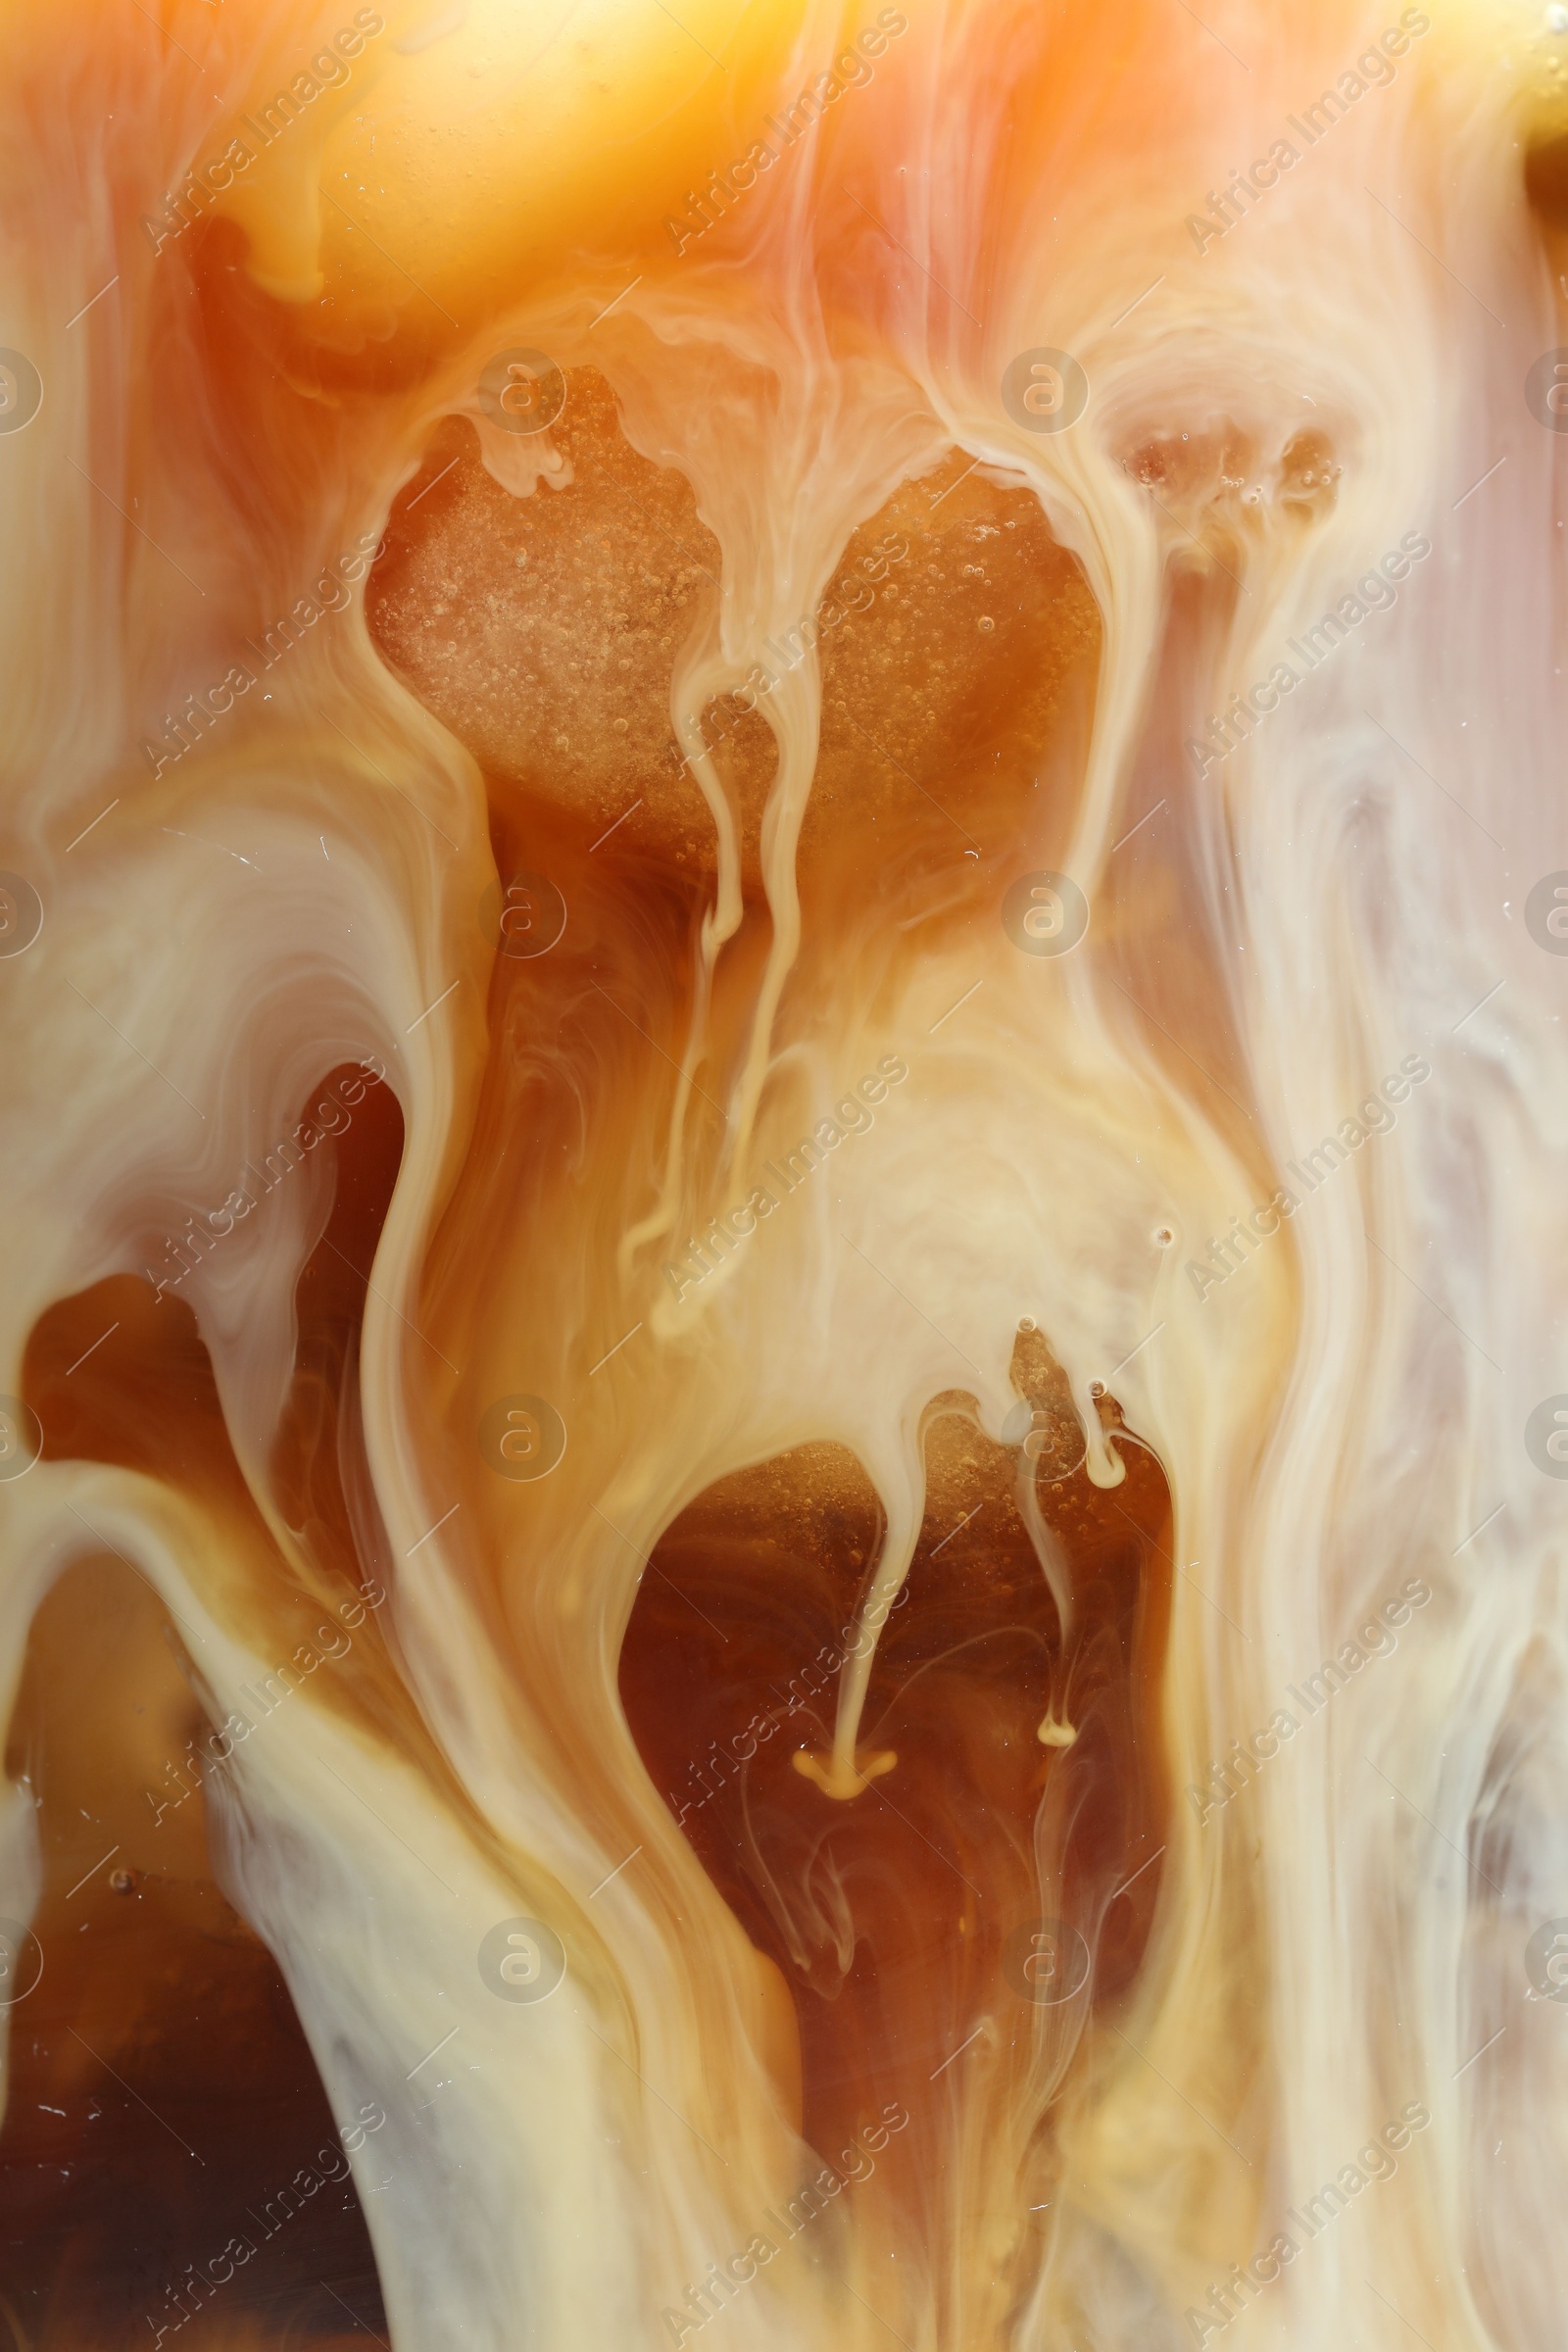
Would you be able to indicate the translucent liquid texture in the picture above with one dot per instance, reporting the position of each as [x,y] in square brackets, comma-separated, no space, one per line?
[783,913]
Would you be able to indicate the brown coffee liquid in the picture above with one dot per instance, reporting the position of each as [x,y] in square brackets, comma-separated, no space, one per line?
[925,1910]
[169,2160]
